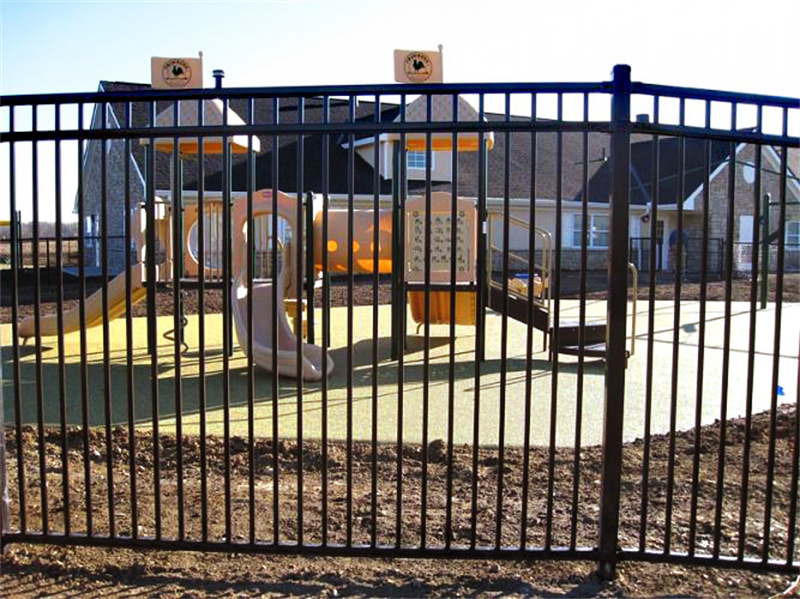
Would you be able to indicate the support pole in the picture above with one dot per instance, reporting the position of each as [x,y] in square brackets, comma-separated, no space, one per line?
[309,236]
[397,291]
[617,317]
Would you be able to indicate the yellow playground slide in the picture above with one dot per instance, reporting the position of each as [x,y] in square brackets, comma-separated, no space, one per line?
[48,325]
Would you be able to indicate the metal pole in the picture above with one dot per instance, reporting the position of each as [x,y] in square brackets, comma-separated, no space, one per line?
[765,201]
[617,315]
[397,292]
[309,235]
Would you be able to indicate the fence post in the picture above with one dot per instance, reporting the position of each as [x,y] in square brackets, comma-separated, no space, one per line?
[617,315]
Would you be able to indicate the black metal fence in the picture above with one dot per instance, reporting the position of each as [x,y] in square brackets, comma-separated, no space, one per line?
[693,253]
[429,444]
[50,247]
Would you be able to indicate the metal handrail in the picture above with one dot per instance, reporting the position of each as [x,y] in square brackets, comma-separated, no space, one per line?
[635,274]
[544,267]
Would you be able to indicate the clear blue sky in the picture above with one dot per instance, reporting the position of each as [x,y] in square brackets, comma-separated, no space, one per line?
[70,46]
[750,46]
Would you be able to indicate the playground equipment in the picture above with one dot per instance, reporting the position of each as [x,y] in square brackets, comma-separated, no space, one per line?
[116,289]
[270,324]
[275,343]
[570,337]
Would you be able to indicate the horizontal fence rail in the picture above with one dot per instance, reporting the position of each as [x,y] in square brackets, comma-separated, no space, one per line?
[319,328]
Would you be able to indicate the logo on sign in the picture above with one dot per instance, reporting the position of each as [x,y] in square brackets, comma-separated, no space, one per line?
[176,72]
[418,67]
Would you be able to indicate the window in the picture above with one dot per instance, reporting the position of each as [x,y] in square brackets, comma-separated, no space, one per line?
[746,228]
[793,234]
[597,234]
[416,160]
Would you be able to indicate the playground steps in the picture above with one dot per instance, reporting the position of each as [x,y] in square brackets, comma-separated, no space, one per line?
[518,308]
[569,341]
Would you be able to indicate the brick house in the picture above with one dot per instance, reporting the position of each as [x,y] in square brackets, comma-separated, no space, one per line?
[520,186]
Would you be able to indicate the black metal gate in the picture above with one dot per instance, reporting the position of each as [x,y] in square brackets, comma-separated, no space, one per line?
[426,443]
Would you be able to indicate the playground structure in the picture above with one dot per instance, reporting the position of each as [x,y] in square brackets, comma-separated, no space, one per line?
[288,285]
[523,300]
[437,261]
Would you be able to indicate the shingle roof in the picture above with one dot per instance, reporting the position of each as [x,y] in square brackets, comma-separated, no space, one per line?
[520,177]
[642,168]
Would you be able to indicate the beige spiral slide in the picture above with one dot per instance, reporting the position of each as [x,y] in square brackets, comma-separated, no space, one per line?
[263,295]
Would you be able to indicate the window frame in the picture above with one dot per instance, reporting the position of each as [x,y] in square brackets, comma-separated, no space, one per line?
[591,244]
[792,245]
[423,155]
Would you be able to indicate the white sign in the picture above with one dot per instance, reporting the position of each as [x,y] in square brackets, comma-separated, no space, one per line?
[176,73]
[417,66]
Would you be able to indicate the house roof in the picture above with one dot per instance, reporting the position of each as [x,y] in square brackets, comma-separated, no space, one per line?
[519,144]
[642,173]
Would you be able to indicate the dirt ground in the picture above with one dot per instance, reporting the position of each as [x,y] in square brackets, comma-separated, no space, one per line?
[35,571]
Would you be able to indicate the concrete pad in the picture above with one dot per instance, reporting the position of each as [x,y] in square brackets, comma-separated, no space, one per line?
[544,380]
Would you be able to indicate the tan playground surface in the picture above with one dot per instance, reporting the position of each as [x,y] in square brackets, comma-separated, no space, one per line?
[413,391]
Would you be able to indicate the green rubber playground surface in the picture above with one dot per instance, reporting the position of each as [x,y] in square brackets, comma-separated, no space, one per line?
[388,397]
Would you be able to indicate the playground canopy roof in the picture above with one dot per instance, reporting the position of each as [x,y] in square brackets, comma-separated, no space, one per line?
[441,109]
[213,114]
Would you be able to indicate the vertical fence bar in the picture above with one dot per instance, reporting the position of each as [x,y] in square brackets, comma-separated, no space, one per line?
[701,338]
[226,320]
[251,381]
[554,341]
[751,351]
[776,350]
[479,321]
[376,181]
[299,312]
[501,442]
[87,474]
[177,311]
[275,283]
[426,351]
[399,183]
[326,313]
[726,342]
[576,473]
[655,245]
[129,340]
[451,388]
[62,379]
[37,300]
[201,324]
[152,323]
[526,458]
[106,332]
[16,263]
[617,316]
[351,118]
[676,322]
